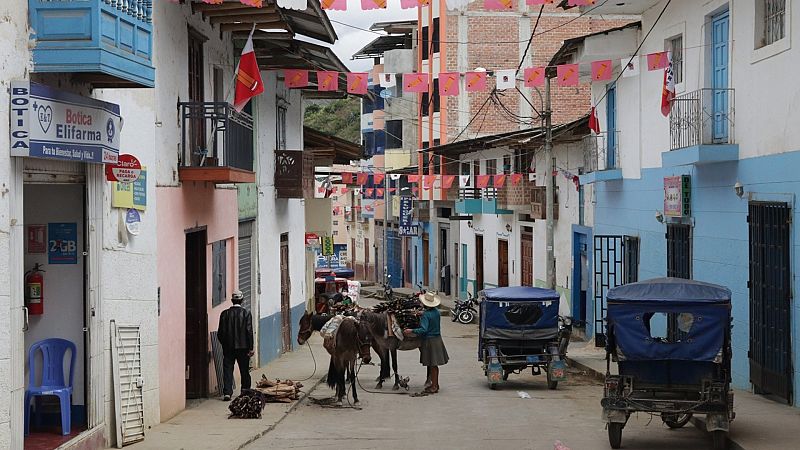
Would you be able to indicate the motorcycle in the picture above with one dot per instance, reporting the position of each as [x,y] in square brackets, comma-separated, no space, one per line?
[464,311]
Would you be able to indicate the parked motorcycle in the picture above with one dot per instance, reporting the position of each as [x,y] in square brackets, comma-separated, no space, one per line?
[464,311]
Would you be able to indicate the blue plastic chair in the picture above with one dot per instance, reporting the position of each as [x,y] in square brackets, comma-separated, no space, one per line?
[53,380]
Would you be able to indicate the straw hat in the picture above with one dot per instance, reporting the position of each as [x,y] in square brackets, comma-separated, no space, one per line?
[430,299]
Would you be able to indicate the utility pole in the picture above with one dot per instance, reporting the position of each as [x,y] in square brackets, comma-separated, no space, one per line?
[549,188]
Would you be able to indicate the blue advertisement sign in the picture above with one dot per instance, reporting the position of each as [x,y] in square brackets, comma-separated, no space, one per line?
[406,211]
[62,243]
[337,261]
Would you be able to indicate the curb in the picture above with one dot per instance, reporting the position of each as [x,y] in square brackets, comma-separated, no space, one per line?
[263,433]
[698,422]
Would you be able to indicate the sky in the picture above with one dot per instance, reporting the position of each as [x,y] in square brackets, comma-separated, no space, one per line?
[352,40]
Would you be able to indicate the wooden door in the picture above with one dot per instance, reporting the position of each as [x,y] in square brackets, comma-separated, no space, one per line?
[196,316]
[502,262]
[426,260]
[526,253]
[478,264]
[286,288]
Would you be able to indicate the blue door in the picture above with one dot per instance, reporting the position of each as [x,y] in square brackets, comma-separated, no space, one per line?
[719,77]
[611,126]
[463,280]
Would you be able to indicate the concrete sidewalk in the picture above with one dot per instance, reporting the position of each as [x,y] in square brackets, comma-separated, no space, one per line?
[206,425]
[760,424]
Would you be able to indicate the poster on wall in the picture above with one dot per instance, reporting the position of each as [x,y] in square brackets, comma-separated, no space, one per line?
[677,196]
[337,260]
[130,195]
[62,243]
[37,238]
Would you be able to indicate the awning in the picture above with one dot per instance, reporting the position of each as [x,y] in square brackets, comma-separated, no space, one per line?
[329,149]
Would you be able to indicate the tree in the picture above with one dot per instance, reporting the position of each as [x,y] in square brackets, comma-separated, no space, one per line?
[340,117]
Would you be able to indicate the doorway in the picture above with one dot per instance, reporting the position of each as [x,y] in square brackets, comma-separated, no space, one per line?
[286,288]
[196,315]
[719,76]
[769,284]
[526,252]
[502,263]
[478,263]
[367,272]
[426,260]
[464,270]
[580,276]
[407,275]
[444,263]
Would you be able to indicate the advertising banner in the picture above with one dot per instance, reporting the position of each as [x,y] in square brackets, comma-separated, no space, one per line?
[130,195]
[63,243]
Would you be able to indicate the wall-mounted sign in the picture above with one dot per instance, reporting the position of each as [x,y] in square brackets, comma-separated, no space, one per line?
[133,221]
[37,238]
[408,230]
[406,211]
[127,169]
[130,195]
[335,261]
[678,196]
[312,238]
[53,124]
[327,246]
[62,243]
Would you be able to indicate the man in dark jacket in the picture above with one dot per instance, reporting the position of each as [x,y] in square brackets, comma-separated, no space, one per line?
[236,337]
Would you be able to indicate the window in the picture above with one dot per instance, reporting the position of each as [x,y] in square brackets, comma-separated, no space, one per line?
[522,160]
[335,233]
[425,43]
[437,163]
[676,47]
[770,22]
[394,134]
[335,222]
[436,99]
[507,169]
[424,104]
[491,166]
[368,139]
[464,168]
[280,128]
[476,169]
[435,37]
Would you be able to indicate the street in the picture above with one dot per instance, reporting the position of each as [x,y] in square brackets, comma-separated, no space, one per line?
[466,414]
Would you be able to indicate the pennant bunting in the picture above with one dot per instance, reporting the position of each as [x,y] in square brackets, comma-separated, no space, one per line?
[373,4]
[449,83]
[320,189]
[428,180]
[394,176]
[630,67]
[254,3]
[534,76]
[387,79]
[567,74]
[594,124]
[580,2]
[347,177]
[506,79]
[413,178]
[378,178]
[379,192]
[463,181]
[369,208]
[538,2]
[447,181]
[406,4]
[601,70]
[392,190]
[482,181]
[327,81]
[369,192]
[299,5]
[657,61]
[344,190]
[498,5]
[340,5]
[668,91]
[357,83]
[415,82]
[363,177]
[476,81]
[295,78]
[516,178]
[499,180]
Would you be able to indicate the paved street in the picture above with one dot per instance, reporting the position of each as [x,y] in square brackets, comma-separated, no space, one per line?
[466,414]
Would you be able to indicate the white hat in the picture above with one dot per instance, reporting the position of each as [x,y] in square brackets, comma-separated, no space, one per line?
[430,299]
[237,295]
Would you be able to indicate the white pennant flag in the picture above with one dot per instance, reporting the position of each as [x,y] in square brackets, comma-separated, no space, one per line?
[299,5]
[394,176]
[463,181]
[387,79]
[630,66]
[506,79]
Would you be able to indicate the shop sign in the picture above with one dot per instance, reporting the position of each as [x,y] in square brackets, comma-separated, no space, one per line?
[130,195]
[406,210]
[677,196]
[312,239]
[63,243]
[408,230]
[335,261]
[327,246]
[126,170]
[53,124]
[37,239]
[133,221]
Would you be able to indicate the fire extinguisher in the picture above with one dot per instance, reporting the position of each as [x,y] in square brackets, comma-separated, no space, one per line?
[34,290]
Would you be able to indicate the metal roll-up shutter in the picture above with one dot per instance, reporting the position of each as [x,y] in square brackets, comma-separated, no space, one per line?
[246,262]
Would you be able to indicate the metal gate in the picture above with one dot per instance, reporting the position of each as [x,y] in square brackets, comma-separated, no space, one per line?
[679,251]
[770,299]
[394,258]
[126,354]
[616,262]
[246,262]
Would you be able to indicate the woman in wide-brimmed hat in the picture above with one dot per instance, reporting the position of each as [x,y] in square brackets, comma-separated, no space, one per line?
[432,353]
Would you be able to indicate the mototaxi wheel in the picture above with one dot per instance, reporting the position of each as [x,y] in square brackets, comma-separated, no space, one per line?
[551,384]
[493,386]
[466,317]
[720,438]
[615,434]
[676,420]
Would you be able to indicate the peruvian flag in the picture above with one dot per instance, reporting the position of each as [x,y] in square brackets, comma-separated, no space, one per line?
[668,92]
[248,76]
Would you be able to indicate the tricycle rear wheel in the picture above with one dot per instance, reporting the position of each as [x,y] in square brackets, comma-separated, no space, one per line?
[615,434]
[677,421]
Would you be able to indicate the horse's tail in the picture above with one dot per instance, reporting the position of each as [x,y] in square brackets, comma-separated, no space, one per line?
[335,375]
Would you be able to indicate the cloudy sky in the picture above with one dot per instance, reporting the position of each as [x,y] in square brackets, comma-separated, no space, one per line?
[352,40]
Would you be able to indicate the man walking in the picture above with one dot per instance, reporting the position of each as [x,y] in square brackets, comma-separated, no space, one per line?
[236,337]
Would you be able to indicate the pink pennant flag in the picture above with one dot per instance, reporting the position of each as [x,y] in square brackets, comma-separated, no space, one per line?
[295,78]
[415,82]
[320,189]
[482,181]
[369,208]
[516,178]
[363,177]
[537,2]
[378,178]
[413,178]
[601,70]
[449,83]
[406,4]
[335,190]
[344,190]
[476,81]
[336,211]
[373,4]
[379,192]
[370,191]
[580,2]
[347,177]
[357,83]
[499,180]
[567,74]
[428,180]
[340,5]
[657,61]
[534,76]
[498,5]
[255,3]
[447,181]
[327,81]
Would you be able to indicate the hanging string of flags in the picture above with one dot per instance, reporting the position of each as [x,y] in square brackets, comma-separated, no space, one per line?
[341,5]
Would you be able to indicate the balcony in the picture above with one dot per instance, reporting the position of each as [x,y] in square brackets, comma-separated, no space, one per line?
[107,43]
[539,204]
[601,158]
[216,144]
[423,211]
[516,198]
[294,174]
[473,201]
[701,128]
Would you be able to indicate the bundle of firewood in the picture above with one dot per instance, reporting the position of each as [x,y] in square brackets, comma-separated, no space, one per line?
[278,391]
[342,308]
[406,310]
[248,405]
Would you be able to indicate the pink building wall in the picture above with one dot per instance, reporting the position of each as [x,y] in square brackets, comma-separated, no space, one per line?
[192,205]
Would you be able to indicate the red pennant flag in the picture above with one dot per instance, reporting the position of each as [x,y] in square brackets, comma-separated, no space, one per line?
[344,190]
[601,70]
[447,181]
[370,191]
[320,189]
[413,178]
[363,177]
[347,177]
[295,78]
[516,178]
[657,61]
[336,211]
[379,192]
[248,77]
[594,124]
[668,91]
[378,178]
[327,81]
[428,180]
[499,180]
[482,181]
[335,190]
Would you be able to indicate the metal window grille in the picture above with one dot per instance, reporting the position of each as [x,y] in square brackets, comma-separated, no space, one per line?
[774,20]
[679,251]
[676,47]
[630,262]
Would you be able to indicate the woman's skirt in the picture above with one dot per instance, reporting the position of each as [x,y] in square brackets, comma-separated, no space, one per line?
[432,352]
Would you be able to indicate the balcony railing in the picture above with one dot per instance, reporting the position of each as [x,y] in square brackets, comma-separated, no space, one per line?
[702,117]
[473,193]
[216,136]
[601,152]
[110,42]
[516,198]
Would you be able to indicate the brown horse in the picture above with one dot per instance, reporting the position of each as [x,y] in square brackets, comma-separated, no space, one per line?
[386,345]
[353,340]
